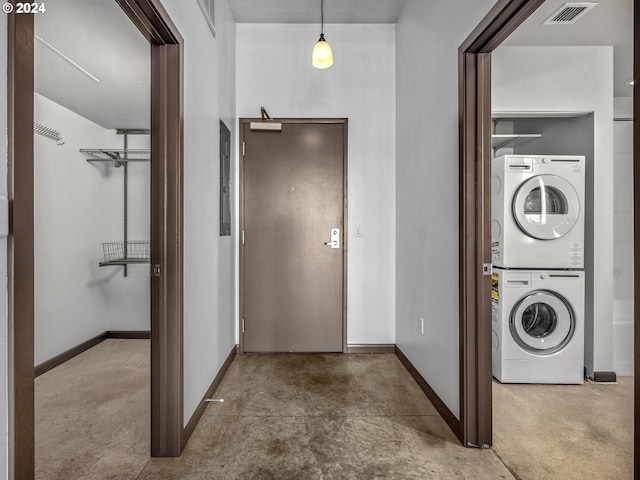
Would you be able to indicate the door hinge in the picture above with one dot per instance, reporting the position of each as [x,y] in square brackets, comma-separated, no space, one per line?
[155,270]
[243,237]
[243,325]
[244,148]
[487,269]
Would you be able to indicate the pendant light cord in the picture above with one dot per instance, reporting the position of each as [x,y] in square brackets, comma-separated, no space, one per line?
[321,17]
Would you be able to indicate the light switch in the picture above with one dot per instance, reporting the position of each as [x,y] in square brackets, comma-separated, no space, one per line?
[359,231]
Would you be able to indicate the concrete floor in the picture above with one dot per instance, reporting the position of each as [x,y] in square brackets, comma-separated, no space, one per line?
[296,416]
[92,414]
[570,431]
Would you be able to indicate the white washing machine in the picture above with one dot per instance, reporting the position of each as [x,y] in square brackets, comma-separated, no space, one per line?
[538,326]
[537,211]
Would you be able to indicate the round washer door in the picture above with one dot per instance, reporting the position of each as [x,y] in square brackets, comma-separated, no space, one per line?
[542,322]
[546,207]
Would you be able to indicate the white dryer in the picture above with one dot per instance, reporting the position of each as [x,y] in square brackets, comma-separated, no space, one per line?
[537,211]
[538,326]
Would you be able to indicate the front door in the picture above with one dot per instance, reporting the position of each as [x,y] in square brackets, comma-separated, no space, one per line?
[293,204]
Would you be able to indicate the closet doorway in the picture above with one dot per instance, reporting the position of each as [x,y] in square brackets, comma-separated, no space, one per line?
[92,284]
[475,55]
[165,234]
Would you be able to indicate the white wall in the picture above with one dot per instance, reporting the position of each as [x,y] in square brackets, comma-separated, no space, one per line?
[128,297]
[70,197]
[574,79]
[78,205]
[209,90]
[428,36]
[623,236]
[227,253]
[274,70]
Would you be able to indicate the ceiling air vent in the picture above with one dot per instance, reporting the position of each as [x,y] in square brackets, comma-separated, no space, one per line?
[569,13]
[209,14]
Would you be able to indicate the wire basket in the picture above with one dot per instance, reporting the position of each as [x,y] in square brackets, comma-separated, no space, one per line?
[133,251]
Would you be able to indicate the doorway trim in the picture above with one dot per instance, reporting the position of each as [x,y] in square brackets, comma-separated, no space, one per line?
[165,237]
[345,237]
[475,217]
[20,245]
[636,239]
[474,81]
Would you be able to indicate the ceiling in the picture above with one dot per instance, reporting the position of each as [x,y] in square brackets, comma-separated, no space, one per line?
[608,23]
[308,11]
[100,38]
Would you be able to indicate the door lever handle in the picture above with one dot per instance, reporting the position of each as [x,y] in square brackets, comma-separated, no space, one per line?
[335,238]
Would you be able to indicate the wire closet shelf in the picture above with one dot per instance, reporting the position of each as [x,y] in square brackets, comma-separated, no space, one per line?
[125,253]
[117,156]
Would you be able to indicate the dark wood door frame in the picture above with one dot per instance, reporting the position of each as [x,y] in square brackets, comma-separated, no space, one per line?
[474,79]
[20,252]
[166,230]
[345,236]
[636,239]
[475,218]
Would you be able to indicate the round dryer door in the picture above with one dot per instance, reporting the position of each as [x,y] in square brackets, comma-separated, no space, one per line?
[542,322]
[546,207]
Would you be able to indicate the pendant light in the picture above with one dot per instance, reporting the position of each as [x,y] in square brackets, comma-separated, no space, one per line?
[322,55]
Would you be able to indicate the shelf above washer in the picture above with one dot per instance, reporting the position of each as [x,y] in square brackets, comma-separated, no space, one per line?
[502,140]
[539,114]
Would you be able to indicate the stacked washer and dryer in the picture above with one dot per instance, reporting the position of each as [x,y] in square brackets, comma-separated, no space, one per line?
[537,281]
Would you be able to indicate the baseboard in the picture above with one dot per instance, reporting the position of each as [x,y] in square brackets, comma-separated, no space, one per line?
[371,348]
[59,359]
[129,334]
[195,418]
[443,410]
[605,377]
